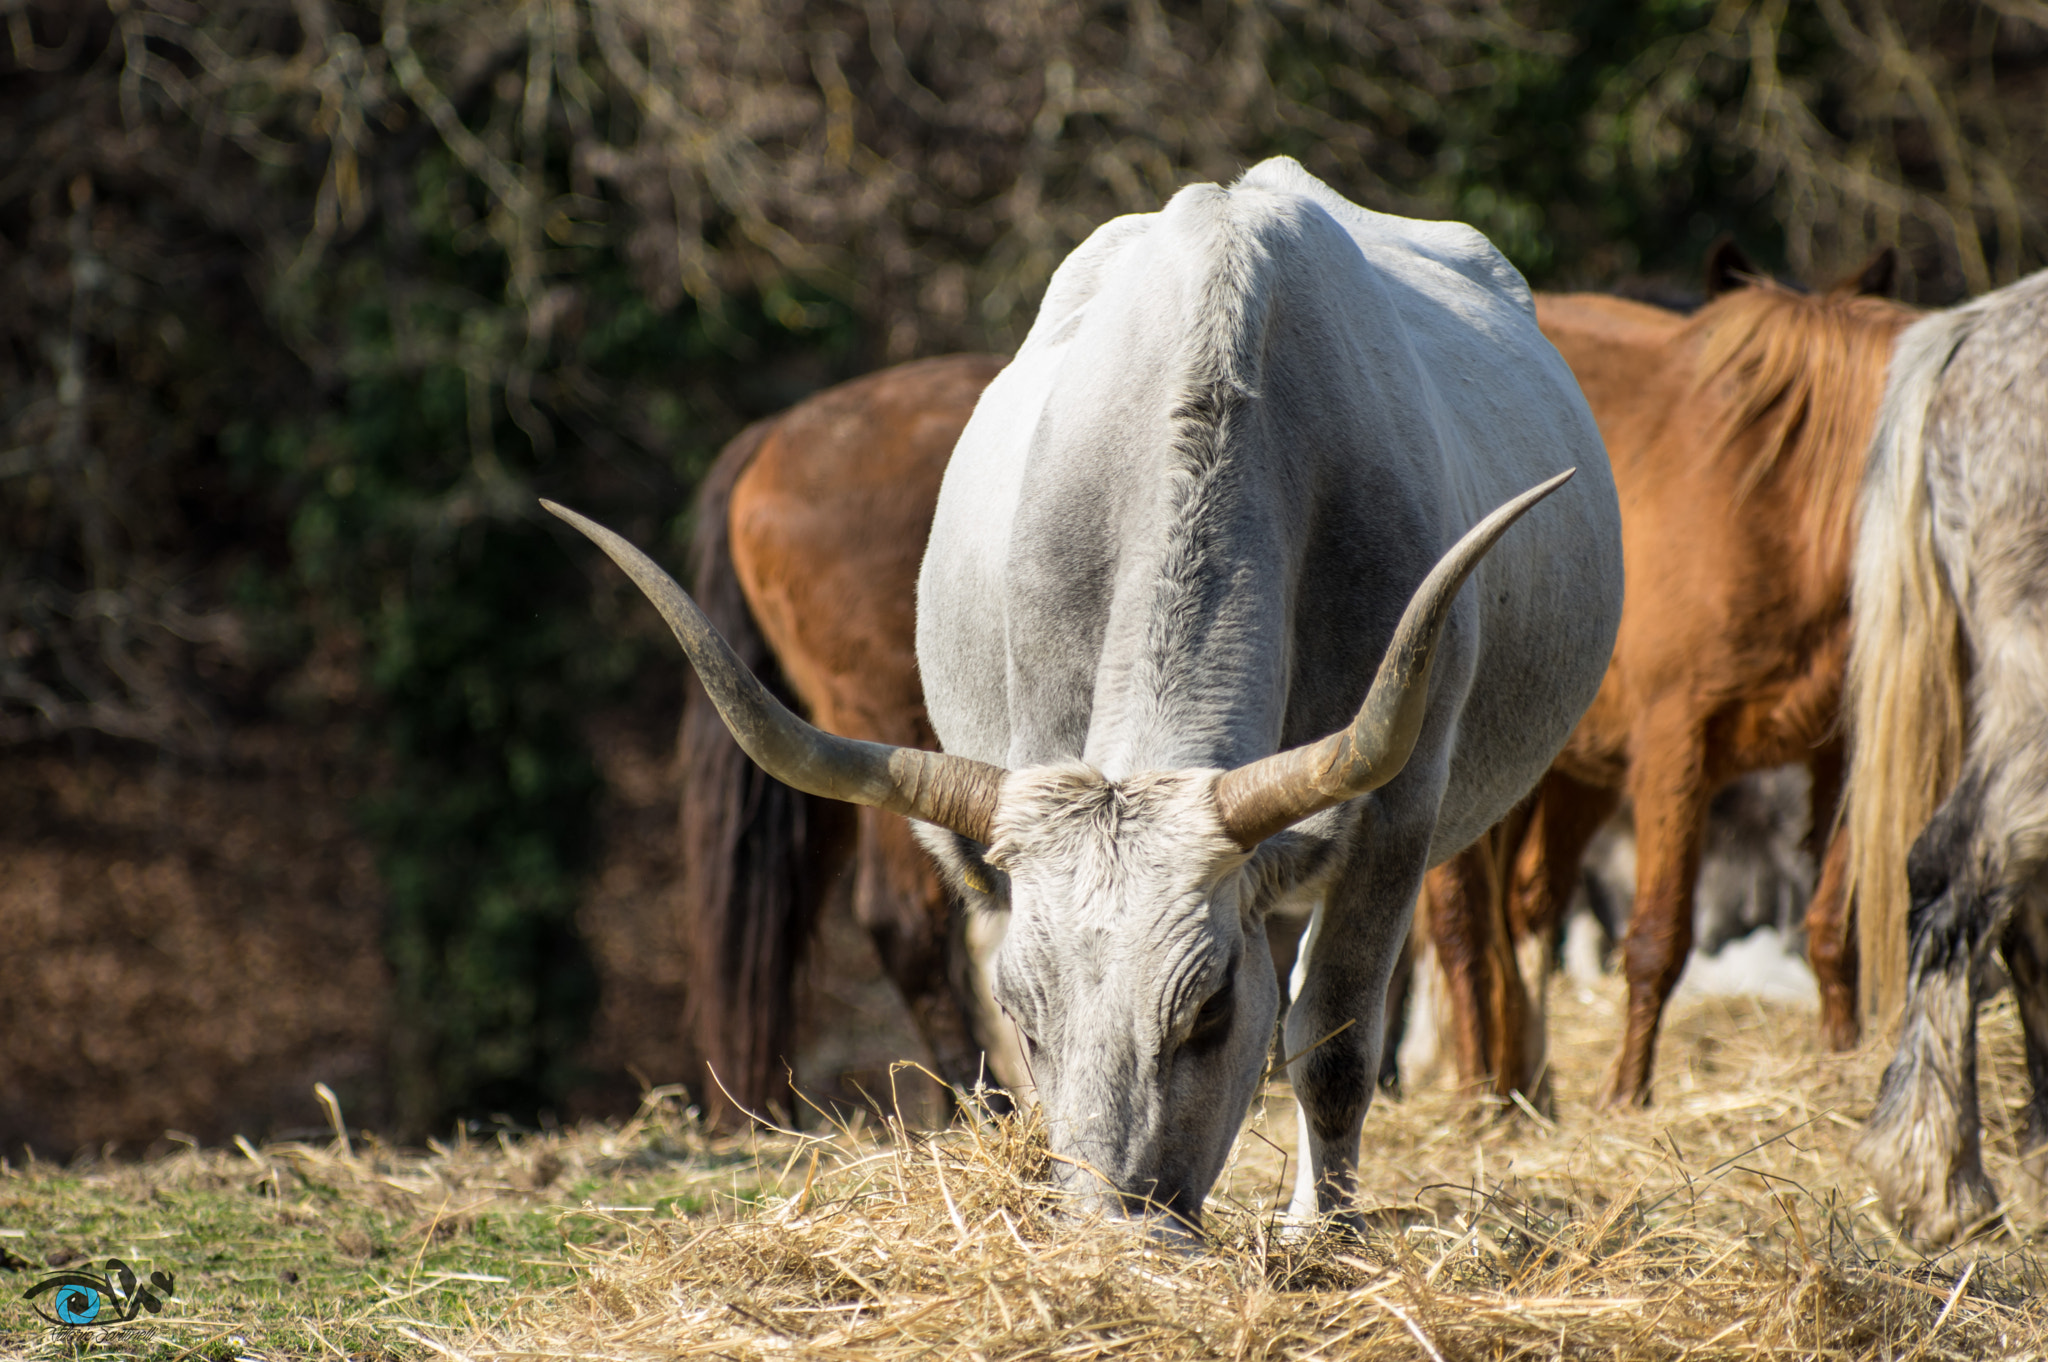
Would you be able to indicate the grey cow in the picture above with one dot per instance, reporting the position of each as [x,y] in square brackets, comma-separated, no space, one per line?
[1240,468]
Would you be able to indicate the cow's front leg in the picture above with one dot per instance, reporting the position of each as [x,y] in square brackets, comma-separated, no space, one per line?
[1335,1024]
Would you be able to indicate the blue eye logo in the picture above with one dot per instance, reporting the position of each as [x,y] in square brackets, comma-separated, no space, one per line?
[82,1300]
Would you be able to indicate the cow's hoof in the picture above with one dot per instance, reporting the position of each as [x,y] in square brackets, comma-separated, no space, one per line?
[1334,1230]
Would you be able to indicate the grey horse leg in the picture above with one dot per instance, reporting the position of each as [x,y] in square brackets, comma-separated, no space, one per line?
[2025,947]
[1923,1143]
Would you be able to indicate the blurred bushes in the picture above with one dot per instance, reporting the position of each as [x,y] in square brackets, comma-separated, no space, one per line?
[302,303]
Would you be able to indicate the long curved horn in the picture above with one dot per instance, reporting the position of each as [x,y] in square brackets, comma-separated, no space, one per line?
[1263,797]
[951,791]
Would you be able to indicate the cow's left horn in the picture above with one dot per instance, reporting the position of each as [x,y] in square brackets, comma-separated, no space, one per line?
[1262,797]
[951,791]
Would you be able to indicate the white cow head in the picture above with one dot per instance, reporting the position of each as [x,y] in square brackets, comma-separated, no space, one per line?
[1136,971]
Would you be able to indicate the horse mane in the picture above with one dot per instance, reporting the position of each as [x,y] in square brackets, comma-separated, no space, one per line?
[1812,365]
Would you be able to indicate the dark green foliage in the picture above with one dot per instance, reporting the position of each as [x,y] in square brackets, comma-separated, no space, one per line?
[1542,156]
[353,420]
[413,528]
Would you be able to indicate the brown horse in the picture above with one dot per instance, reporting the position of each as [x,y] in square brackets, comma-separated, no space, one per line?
[1737,437]
[810,530]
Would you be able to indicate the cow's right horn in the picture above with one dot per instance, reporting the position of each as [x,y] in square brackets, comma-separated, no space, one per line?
[1262,797]
[951,791]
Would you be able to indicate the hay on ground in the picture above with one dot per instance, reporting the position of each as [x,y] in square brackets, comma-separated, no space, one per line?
[1727,1221]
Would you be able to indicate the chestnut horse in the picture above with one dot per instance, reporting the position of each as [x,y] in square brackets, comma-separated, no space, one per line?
[1738,437]
[810,530]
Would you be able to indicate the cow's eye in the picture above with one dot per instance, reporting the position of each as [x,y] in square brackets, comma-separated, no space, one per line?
[1212,1023]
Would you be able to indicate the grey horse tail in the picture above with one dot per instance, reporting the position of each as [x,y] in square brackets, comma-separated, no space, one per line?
[1904,696]
[755,851]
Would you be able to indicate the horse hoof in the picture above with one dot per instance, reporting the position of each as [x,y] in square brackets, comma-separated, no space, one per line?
[1619,1094]
[1927,1210]
[1840,1031]
[1965,1214]
[1489,1107]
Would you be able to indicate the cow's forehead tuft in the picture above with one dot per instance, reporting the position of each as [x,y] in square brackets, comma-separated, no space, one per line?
[1060,810]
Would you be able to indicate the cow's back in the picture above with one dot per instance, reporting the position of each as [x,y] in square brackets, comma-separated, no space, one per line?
[1183,523]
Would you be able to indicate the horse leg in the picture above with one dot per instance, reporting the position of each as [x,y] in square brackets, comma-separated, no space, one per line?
[2025,947]
[1830,946]
[1475,949]
[1670,795]
[1923,1143]
[899,899]
[1564,816]
[1461,928]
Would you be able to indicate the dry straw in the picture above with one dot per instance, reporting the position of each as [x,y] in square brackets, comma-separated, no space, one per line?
[1727,1222]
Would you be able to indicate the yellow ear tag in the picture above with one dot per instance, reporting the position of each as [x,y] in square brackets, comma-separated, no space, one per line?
[975,880]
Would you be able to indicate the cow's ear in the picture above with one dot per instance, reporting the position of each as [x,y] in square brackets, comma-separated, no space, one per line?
[964,868]
[1878,277]
[1727,267]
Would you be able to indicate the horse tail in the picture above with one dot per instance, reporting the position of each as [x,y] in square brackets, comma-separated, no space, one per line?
[750,877]
[1904,696]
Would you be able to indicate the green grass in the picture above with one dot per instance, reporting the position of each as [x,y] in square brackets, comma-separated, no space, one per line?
[307,1251]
